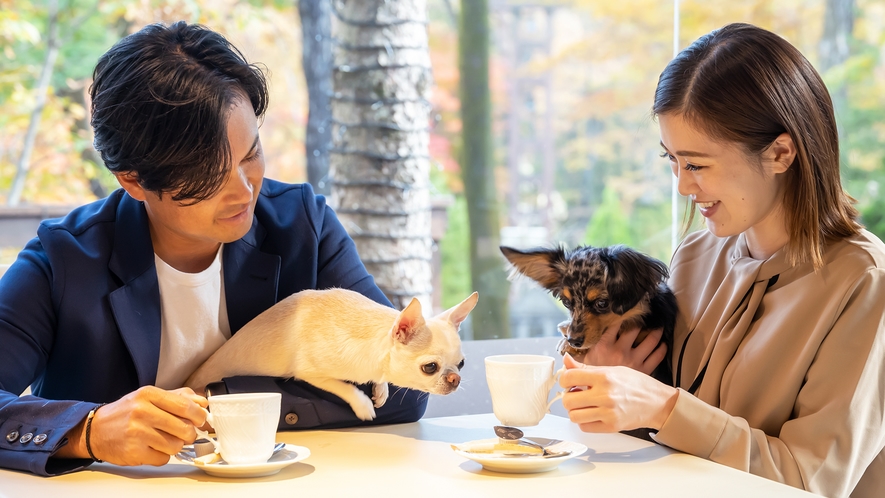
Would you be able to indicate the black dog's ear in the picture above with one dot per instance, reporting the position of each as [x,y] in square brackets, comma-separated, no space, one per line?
[538,264]
[631,275]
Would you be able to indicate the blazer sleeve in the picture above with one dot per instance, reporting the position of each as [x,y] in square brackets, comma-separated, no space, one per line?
[838,422]
[32,429]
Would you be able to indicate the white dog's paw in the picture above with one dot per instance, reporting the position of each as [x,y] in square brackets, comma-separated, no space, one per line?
[380,392]
[363,408]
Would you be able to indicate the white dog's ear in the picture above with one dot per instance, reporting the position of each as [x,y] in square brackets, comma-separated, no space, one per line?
[456,314]
[409,322]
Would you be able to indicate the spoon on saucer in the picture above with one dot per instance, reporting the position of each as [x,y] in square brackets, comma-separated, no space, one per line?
[509,434]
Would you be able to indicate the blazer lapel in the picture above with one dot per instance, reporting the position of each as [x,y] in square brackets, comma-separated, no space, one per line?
[136,304]
[251,278]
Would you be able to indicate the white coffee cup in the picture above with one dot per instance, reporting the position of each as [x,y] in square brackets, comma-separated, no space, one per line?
[245,425]
[520,385]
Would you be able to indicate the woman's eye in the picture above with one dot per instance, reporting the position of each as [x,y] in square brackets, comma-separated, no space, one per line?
[667,155]
[430,368]
[601,304]
[692,167]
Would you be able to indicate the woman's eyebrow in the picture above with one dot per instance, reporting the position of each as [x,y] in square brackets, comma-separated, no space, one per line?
[687,153]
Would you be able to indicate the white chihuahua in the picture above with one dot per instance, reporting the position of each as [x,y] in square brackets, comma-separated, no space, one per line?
[335,337]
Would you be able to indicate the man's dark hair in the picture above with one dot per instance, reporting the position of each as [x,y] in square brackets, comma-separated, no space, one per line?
[161,99]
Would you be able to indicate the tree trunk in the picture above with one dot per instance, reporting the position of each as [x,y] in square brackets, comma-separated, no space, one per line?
[24,161]
[316,32]
[490,319]
[379,167]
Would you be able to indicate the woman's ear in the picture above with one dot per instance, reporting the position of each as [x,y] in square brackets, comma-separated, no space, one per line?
[781,153]
[129,182]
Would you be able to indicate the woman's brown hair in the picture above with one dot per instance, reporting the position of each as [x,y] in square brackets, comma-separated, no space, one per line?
[742,84]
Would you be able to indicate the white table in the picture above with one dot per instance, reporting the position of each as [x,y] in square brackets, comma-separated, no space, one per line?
[416,460]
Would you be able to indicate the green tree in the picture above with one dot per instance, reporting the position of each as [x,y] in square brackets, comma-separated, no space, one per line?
[490,319]
[610,223]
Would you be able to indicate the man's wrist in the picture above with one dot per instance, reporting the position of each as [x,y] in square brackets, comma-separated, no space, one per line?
[76,443]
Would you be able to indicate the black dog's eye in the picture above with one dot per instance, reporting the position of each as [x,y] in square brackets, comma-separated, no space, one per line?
[601,304]
[461,365]
[430,368]
[567,304]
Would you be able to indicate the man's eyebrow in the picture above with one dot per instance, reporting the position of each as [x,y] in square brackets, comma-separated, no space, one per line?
[254,144]
[688,153]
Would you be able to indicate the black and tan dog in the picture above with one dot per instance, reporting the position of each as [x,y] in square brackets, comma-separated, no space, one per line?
[598,286]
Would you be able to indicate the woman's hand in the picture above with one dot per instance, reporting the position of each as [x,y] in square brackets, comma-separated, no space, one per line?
[144,427]
[614,398]
[614,350]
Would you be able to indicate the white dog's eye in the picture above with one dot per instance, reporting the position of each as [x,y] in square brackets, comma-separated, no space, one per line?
[430,368]
[461,365]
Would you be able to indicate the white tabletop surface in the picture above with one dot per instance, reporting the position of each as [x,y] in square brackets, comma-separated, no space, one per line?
[416,460]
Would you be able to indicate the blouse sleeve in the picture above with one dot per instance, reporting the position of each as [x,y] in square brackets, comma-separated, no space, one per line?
[837,426]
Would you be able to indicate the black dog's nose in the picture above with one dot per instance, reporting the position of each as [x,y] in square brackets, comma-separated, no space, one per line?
[576,342]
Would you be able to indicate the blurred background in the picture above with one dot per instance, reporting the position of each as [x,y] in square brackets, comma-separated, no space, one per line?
[534,123]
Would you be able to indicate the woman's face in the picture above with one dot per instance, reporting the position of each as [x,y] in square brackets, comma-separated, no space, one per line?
[732,192]
[187,236]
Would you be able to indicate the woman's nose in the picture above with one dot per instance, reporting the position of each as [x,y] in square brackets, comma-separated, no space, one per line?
[684,182]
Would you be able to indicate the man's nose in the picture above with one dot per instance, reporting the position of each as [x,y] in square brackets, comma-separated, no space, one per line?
[239,186]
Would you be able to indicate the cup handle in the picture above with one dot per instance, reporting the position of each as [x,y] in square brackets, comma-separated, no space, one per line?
[557,397]
[556,381]
[205,435]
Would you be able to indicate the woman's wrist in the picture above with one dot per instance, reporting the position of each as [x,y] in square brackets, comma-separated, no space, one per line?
[669,395]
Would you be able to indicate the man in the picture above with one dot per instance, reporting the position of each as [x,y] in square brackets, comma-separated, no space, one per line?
[107,311]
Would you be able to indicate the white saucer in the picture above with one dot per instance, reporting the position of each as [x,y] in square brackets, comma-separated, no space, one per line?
[518,464]
[286,456]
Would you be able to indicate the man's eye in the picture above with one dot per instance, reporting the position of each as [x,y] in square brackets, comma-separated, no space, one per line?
[430,368]
[601,304]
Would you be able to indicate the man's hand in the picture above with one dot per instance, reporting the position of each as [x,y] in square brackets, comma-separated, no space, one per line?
[144,427]
[612,350]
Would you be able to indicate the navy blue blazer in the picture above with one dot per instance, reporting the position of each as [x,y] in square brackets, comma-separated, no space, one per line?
[80,316]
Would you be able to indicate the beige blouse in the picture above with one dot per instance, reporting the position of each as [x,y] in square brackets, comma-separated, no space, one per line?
[794,387]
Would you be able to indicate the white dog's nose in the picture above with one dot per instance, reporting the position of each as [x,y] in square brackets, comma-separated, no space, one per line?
[453,379]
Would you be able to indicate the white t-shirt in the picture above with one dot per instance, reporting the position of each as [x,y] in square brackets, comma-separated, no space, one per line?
[194,320]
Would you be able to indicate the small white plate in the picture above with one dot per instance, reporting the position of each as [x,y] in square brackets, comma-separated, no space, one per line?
[286,456]
[518,464]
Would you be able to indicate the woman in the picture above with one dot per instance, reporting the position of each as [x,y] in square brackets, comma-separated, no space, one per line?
[779,347]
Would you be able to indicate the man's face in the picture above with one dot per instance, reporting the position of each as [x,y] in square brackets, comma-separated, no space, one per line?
[184,234]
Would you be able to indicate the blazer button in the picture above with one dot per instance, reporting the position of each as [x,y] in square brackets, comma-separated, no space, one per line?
[12,436]
[40,439]
[291,418]
[26,438]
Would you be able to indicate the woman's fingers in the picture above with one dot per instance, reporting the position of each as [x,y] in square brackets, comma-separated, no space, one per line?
[617,398]
[654,359]
[651,341]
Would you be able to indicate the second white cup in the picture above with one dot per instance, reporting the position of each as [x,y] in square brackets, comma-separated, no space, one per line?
[520,385]
[245,425]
